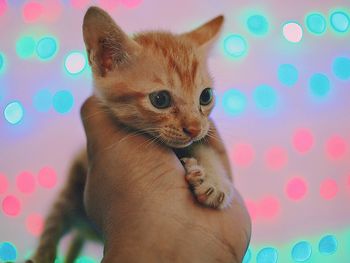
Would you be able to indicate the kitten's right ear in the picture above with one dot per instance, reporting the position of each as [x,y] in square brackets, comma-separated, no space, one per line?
[107,45]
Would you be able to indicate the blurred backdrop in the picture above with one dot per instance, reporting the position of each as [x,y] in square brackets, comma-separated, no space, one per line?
[282,75]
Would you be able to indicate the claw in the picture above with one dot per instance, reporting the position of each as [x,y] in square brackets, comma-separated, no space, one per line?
[183,160]
[221,198]
[209,191]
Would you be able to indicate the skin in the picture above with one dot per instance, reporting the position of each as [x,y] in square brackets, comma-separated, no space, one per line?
[142,204]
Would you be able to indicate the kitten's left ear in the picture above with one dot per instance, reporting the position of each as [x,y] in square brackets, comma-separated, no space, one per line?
[206,34]
[108,47]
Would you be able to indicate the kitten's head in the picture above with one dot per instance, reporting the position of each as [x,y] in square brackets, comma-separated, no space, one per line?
[156,82]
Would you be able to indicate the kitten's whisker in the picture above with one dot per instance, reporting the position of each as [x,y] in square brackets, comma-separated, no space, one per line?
[131,135]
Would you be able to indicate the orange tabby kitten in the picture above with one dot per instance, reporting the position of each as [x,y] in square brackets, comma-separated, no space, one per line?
[156,83]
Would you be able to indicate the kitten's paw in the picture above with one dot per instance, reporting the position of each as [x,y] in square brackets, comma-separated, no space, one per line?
[194,173]
[210,190]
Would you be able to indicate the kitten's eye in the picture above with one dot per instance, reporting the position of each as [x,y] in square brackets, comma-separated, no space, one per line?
[206,96]
[160,99]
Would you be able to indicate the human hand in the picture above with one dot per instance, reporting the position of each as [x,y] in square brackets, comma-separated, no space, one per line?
[137,195]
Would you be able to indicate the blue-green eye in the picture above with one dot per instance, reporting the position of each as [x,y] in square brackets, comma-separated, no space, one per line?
[160,99]
[206,96]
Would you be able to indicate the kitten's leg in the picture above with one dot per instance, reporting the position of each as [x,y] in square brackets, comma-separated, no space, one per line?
[208,172]
[74,248]
[67,207]
[57,223]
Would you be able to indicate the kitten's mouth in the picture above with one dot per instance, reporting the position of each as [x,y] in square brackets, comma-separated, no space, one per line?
[178,144]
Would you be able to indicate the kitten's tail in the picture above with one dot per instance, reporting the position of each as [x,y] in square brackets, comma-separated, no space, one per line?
[66,209]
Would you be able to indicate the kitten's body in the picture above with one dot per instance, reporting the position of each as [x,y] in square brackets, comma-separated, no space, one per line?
[126,71]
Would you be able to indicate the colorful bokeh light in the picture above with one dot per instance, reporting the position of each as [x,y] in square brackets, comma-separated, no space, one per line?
[247,256]
[253,115]
[269,207]
[301,251]
[11,206]
[265,97]
[8,252]
[257,25]
[235,46]
[25,47]
[293,32]
[14,112]
[234,102]
[47,177]
[3,7]
[303,140]
[25,182]
[319,85]
[243,154]
[75,62]
[108,5]
[336,147]
[32,11]
[276,158]
[296,188]
[85,260]
[267,255]
[316,23]
[46,48]
[341,68]
[328,245]
[34,224]
[340,21]
[328,189]
[63,101]
[42,100]
[287,74]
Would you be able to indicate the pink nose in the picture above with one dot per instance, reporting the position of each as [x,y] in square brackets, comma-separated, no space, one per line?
[192,131]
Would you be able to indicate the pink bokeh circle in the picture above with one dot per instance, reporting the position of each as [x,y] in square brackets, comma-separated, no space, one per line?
[52,10]
[35,224]
[276,158]
[303,140]
[11,205]
[108,5]
[296,188]
[3,7]
[328,189]
[336,147]
[25,182]
[243,154]
[47,177]
[32,11]
[269,207]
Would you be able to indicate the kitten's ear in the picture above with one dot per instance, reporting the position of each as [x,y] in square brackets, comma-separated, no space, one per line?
[206,34]
[106,44]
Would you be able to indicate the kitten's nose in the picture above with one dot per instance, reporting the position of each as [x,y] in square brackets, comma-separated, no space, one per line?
[192,131]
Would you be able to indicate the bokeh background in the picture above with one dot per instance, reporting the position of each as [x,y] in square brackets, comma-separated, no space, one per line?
[282,73]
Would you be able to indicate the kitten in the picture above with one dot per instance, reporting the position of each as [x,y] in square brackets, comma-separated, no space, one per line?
[155,82]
